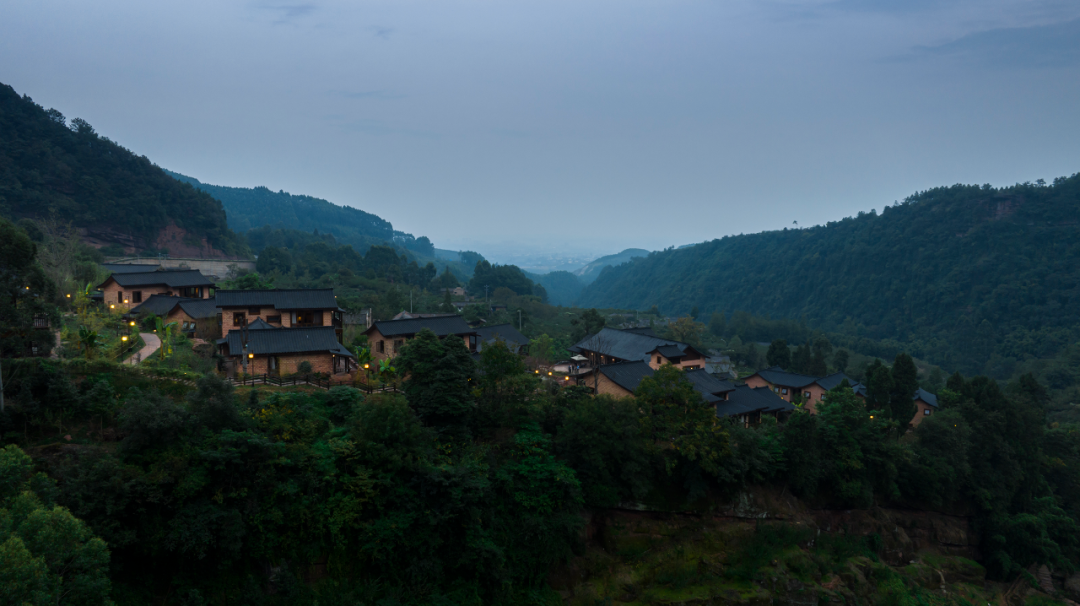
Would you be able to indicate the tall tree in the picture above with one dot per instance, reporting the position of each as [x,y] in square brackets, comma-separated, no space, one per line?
[438,387]
[879,389]
[800,361]
[779,354]
[25,293]
[840,360]
[905,380]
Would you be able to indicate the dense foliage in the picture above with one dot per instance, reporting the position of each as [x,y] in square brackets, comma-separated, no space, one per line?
[973,278]
[249,208]
[468,487]
[51,167]
[26,293]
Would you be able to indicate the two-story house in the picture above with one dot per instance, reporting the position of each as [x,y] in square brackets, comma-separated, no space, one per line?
[386,338]
[127,290]
[280,308]
[612,345]
[265,349]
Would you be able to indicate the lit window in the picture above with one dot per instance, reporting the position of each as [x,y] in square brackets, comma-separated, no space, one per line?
[784,391]
[926,411]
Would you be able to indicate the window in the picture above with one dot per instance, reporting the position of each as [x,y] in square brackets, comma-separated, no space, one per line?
[194,292]
[823,397]
[273,319]
[926,411]
[380,347]
[398,344]
[806,394]
[253,311]
[136,297]
[784,391]
[120,296]
[472,343]
[238,319]
[219,321]
[658,360]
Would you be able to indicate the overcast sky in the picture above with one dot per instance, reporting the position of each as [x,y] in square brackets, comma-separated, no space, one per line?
[584,125]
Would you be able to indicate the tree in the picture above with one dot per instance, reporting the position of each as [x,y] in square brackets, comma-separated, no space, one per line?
[718,324]
[905,380]
[694,313]
[820,352]
[801,360]
[47,555]
[25,293]
[273,259]
[840,360]
[438,385]
[447,305]
[588,323]
[250,281]
[779,354]
[542,349]
[677,421]
[879,389]
[686,330]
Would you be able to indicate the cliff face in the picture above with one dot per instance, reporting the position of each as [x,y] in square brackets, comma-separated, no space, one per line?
[765,548]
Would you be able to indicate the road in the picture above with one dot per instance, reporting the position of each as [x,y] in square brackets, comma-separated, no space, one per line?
[152,344]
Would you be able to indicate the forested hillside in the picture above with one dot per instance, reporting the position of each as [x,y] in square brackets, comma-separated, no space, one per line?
[591,271]
[972,278]
[50,167]
[249,208]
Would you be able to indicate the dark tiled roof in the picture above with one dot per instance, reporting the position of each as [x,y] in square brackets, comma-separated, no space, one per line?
[642,330]
[287,341]
[442,326]
[706,383]
[627,375]
[260,324]
[506,332]
[779,376]
[831,381]
[200,308]
[129,268]
[624,345]
[746,399]
[158,305]
[279,298]
[671,352]
[172,278]
[926,396]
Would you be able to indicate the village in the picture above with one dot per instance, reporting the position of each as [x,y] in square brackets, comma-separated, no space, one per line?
[278,337]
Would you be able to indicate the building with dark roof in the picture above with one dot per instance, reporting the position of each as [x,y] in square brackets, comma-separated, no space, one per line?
[387,337]
[748,404]
[284,308]
[712,389]
[265,349]
[621,380]
[612,345]
[158,305]
[789,386]
[514,340]
[127,290]
[926,403]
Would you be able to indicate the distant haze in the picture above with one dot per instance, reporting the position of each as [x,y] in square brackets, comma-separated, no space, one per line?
[580,127]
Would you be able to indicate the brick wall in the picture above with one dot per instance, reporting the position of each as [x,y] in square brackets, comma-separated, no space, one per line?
[290,364]
[116,294]
[920,414]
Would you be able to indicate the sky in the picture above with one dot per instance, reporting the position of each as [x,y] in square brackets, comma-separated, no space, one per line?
[579,128]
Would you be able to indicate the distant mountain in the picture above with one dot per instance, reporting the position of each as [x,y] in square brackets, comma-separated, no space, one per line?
[590,272]
[50,168]
[251,207]
[970,277]
[562,287]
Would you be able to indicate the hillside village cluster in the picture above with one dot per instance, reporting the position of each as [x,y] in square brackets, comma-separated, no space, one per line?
[277,332]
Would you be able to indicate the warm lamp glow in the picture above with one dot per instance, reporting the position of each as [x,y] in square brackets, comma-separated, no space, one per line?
[133,322]
[367,365]
[69,296]
[550,373]
[123,338]
[111,306]
[251,356]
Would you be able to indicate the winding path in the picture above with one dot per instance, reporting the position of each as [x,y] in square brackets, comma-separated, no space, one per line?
[151,344]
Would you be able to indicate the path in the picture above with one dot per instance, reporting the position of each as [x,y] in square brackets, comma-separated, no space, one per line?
[151,344]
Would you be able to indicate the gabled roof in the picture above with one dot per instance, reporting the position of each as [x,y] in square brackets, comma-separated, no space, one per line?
[831,381]
[506,332]
[744,399]
[708,384]
[625,345]
[200,308]
[129,268]
[642,330]
[441,326]
[779,376]
[276,341]
[671,352]
[279,298]
[158,305]
[926,396]
[178,278]
[260,324]
[627,375]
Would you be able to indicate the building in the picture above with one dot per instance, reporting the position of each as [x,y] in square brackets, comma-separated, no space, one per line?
[283,308]
[789,385]
[266,349]
[926,403]
[386,338]
[361,319]
[748,404]
[611,345]
[457,291]
[621,379]
[514,340]
[195,318]
[127,290]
